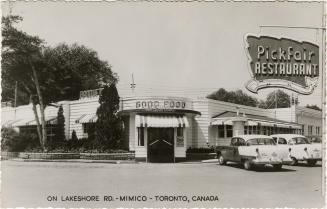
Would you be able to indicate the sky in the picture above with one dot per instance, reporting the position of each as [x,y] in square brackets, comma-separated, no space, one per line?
[172,46]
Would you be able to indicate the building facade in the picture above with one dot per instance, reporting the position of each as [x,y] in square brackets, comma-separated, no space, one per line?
[162,128]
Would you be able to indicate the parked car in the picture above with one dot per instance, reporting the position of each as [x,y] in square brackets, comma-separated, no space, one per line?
[302,149]
[252,150]
[315,139]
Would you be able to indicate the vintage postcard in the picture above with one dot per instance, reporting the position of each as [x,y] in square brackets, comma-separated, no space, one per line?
[163,104]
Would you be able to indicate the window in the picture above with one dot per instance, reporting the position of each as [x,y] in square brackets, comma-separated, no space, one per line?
[88,127]
[250,130]
[180,137]
[310,130]
[245,130]
[317,130]
[140,134]
[221,131]
[302,129]
[229,130]
[264,128]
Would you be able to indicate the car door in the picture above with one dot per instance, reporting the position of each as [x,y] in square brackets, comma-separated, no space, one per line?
[237,143]
[229,150]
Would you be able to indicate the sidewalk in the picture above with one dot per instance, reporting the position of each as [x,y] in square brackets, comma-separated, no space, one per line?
[100,161]
[75,161]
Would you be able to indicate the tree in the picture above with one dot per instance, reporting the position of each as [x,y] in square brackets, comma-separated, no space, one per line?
[314,107]
[74,136]
[60,130]
[21,61]
[76,68]
[237,97]
[108,129]
[276,99]
[46,75]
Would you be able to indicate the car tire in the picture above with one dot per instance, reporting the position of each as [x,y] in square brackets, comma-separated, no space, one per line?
[312,162]
[221,160]
[294,161]
[278,167]
[247,165]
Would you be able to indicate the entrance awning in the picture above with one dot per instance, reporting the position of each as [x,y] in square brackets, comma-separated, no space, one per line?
[161,121]
[87,118]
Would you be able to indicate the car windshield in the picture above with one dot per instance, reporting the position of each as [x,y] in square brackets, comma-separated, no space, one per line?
[300,140]
[260,141]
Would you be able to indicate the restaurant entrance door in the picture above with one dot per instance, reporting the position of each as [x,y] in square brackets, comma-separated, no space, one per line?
[161,145]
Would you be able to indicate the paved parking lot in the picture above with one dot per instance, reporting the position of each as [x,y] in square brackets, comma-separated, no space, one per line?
[30,184]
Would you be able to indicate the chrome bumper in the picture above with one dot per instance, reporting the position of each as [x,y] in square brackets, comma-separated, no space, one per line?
[272,161]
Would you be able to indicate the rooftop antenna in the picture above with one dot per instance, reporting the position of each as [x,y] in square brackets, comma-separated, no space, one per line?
[10,2]
[133,85]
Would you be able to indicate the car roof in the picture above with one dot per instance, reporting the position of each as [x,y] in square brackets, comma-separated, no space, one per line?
[287,135]
[252,136]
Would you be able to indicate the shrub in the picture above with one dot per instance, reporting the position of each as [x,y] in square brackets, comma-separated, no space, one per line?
[12,141]
[200,150]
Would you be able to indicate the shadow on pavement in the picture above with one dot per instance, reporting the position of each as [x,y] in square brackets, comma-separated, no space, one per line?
[304,164]
[260,168]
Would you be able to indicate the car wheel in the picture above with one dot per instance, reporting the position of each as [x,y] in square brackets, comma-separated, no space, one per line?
[221,160]
[247,165]
[294,161]
[312,162]
[278,167]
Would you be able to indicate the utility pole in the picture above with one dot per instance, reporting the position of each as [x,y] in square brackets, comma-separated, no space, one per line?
[133,85]
[15,101]
[323,82]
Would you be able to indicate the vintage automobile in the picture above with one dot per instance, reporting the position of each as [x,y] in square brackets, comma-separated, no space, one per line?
[302,149]
[315,139]
[253,150]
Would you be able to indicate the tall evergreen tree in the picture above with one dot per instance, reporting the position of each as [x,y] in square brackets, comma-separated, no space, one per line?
[60,130]
[108,130]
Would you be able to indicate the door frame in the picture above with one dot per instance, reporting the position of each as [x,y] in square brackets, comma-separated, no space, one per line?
[147,140]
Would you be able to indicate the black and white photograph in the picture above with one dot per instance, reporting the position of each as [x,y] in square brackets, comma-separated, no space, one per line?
[163,104]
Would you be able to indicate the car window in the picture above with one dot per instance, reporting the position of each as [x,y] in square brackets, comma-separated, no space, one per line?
[233,141]
[260,141]
[282,141]
[299,140]
[238,142]
[275,139]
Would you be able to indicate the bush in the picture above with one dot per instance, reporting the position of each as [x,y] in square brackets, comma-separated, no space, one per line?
[8,139]
[200,150]
[12,141]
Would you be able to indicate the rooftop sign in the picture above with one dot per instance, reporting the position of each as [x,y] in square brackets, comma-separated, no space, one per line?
[283,63]
[90,93]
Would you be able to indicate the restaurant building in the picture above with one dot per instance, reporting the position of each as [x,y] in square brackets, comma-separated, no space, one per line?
[162,128]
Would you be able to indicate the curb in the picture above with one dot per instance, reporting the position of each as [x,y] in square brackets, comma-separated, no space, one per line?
[75,161]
